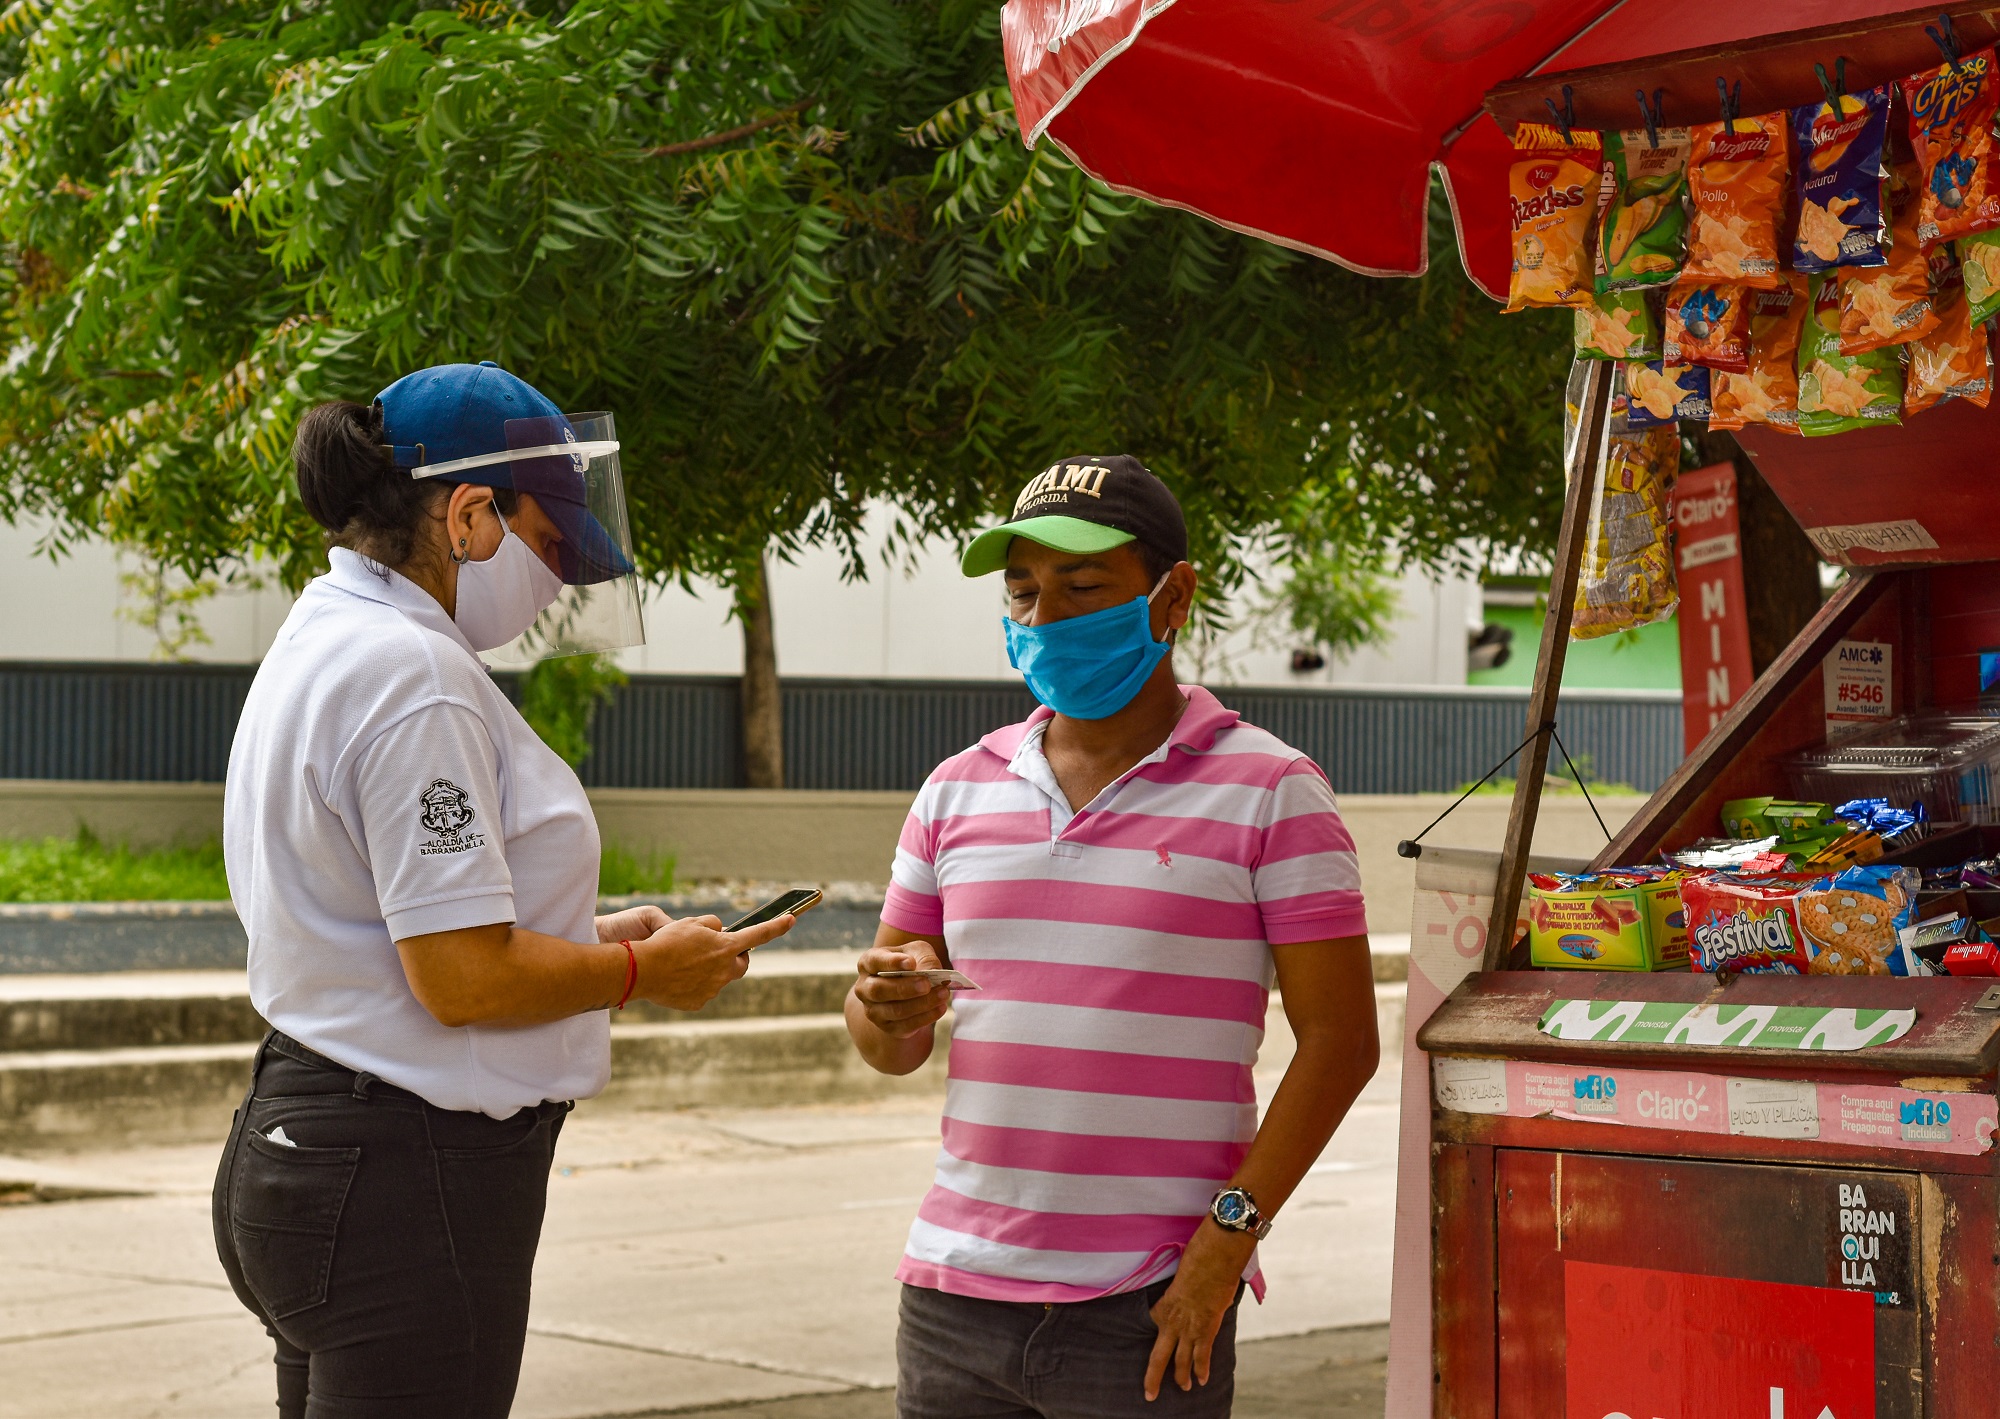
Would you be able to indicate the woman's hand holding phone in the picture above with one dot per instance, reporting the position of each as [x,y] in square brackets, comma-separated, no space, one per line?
[685,964]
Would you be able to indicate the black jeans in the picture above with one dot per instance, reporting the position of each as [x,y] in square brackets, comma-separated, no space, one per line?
[386,1244]
[958,1357]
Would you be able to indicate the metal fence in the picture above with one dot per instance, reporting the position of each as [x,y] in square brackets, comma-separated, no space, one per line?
[174,723]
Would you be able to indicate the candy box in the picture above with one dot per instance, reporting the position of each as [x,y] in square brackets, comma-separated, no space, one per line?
[1972,958]
[1790,822]
[1611,921]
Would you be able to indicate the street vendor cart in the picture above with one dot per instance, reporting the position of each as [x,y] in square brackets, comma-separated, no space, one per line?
[1647,1194]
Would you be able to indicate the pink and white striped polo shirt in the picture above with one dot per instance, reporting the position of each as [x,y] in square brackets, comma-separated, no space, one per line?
[1099,1081]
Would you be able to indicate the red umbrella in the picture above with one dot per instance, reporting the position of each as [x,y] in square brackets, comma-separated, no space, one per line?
[1316,123]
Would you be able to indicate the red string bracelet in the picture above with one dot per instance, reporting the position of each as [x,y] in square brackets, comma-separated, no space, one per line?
[631,972]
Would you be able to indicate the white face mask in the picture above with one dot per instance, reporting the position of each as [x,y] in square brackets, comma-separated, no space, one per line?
[500,597]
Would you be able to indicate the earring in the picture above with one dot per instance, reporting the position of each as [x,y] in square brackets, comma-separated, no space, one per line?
[461,556]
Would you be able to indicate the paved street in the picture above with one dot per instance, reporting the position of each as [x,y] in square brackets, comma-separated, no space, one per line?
[692,1261]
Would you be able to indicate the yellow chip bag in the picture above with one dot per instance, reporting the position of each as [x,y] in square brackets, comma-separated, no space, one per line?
[1768,393]
[1954,361]
[1552,189]
[1739,183]
[1890,304]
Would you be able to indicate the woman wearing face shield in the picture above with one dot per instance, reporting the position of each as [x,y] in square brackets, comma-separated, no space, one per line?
[417,875]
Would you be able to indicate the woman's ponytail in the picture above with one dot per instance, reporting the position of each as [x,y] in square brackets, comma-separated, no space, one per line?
[352,487]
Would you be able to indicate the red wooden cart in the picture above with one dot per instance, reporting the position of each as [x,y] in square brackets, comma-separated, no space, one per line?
[1657,1221]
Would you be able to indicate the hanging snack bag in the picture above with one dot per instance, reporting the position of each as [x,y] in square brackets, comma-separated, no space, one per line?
[1738,185]
[1708,325]
[1627,576]
[1952,110]
[1553,189]
[1979,259]
[1842,180]
[1955,360]
[1769,392]
[1642,229]
[1838,392]
[1621,326]
[1659,393]
[1890,304]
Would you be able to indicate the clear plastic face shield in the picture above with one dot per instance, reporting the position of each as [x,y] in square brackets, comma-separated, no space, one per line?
[569,466]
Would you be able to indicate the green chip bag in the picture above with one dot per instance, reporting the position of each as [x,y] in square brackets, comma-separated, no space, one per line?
[1620,326]
[1979,257]
[1840,392]
[1642,224]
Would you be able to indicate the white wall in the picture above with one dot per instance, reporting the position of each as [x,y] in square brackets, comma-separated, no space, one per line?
[925,622]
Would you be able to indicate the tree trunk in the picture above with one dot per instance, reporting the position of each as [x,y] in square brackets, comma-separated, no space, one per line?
[763,716]
[1780,569]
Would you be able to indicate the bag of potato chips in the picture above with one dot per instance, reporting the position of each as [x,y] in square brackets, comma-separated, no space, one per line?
[1955,360]
[1890,304]
[1952,109]
[1843,180]
[1838,392]
[1658,393]
[1553,189]
[1620,326]
[1642,228]
[1768,393]
[1627,575]
[1979,260]
[1738,185]
[1708,325]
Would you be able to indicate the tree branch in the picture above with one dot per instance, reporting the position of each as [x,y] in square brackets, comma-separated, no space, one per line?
[730,135]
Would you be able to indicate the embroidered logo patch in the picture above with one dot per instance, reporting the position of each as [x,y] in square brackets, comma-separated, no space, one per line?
[446,811]
[1166,858]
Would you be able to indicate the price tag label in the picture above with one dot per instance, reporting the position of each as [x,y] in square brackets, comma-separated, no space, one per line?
[1859,690]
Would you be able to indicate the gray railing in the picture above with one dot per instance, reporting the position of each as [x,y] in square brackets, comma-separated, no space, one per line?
[174,722]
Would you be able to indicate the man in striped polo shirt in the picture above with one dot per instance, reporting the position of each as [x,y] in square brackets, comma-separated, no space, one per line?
[1123,876]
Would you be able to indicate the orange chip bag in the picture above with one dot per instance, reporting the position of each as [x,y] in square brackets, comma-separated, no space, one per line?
[1708,325]
[1890,304]
[1952,108]
[1768,392]
[1739,184]
[1955,360]
[1552,189]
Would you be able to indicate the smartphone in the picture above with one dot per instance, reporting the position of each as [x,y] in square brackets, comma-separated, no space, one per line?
[795,903]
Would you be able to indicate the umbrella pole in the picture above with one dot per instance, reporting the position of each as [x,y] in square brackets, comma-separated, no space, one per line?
[1582,482]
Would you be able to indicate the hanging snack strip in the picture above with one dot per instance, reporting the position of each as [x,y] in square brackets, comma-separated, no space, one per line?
[1627,575]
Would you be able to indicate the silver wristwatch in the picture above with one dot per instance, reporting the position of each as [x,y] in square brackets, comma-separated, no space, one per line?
[1235,1210]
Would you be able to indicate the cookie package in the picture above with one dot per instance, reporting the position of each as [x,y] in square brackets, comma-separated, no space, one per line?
[1844,923]
[1842,178]
[1552,199]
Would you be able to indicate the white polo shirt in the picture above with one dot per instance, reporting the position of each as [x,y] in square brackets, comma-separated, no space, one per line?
[381,787]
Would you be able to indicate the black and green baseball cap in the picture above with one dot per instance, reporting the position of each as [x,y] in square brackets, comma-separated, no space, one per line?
[1087,504]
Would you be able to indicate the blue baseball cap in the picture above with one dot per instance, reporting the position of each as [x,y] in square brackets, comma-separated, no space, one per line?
[461,421]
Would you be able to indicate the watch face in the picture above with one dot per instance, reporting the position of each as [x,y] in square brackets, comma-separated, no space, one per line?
[1231,1207]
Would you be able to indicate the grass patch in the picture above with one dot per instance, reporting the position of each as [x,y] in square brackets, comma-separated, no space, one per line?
[621,873]
[82,869]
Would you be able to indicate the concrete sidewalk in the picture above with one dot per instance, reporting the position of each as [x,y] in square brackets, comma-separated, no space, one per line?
[693,1260]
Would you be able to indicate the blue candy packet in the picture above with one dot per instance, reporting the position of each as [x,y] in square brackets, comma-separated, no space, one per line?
[1842,174]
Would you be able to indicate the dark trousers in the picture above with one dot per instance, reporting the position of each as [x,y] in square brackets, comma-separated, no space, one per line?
[958,1357]
[386,1244]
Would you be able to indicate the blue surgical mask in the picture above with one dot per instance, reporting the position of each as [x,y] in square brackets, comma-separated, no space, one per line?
[1089,667]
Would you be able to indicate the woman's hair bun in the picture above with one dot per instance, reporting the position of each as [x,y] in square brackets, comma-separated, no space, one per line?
[351,486]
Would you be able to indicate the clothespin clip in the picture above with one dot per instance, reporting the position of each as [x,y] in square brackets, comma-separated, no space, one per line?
[1947,41]
[1732,104]
[1835,88]
[1651,113]
[1565,116]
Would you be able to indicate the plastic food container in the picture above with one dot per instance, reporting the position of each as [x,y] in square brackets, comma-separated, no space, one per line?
[1947,760]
